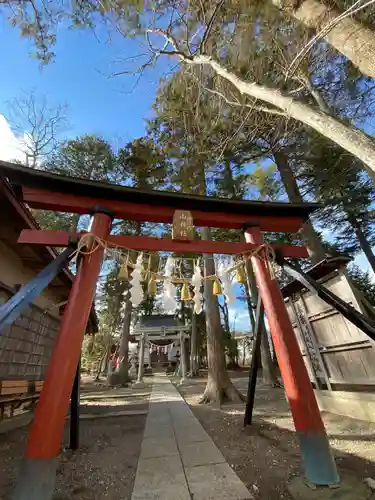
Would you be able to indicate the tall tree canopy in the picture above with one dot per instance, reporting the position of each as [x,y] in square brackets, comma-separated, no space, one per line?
[88,157]
[247,47]
[347,195]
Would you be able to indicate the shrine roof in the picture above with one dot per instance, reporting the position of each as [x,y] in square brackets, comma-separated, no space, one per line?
[317,272]
[14,217]
[159,321]
[20,176]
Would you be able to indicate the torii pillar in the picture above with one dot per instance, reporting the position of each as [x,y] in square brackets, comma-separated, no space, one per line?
[37,475]
[319,464]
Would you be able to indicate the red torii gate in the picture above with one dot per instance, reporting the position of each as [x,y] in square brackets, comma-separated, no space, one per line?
[105,201]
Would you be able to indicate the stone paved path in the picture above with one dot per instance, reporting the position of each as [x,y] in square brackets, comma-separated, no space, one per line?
[178,459]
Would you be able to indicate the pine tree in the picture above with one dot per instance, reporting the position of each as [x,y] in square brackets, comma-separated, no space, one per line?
[364,282]
[347,195]
[140,164]
[87,157]
[246,46]
[186,141]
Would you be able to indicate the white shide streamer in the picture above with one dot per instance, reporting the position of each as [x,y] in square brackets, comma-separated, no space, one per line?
[169,295]
[196,281]
[226,284]
[136,291]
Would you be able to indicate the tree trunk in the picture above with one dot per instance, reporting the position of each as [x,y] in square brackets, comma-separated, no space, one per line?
[100,367]
[108,366]
[249,306]
[123,367]
[268,368]
[219,386]
[121,376]
[228,177]
[349,36]
[183,357]
[229,341]
[141,358]
[364,244]
[309,236]
[107,359]
[345,135]
[193,345]
[225,311]
[74,223]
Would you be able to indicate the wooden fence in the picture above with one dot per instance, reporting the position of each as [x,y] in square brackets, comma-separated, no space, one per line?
[26,346]
[337,354]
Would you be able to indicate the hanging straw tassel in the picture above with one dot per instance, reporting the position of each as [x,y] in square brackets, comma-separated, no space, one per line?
[240,275]
[217,288]
[123,274]
[185,293]
[152,287]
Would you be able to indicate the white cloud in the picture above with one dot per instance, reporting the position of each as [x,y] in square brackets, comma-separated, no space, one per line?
[10,144]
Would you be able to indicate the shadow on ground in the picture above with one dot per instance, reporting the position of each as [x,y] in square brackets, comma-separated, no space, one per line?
[266,455]
[104,467]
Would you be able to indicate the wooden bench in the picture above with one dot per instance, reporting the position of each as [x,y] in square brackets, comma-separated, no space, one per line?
[14,394]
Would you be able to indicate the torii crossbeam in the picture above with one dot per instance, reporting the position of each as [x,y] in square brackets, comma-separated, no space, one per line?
[105,201]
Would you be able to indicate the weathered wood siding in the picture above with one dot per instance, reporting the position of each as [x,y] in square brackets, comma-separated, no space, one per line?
[336,352]
[26,346]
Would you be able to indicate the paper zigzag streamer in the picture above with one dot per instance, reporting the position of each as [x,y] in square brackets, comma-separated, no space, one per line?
[196,281]
[169,295]
[226,284]
[136,291]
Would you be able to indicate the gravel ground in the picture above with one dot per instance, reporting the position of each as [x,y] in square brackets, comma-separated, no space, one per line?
[266,455]
[105,465]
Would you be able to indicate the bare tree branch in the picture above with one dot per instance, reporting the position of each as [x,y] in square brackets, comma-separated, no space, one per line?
[302,77]
[349,138]
[37,125]
[206,34]
[252,107]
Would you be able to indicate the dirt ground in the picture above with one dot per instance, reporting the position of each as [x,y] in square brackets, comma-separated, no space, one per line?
[266,456]
[105,465]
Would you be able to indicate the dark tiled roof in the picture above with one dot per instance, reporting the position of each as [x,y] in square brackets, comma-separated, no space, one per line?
[159,321]
[23,176]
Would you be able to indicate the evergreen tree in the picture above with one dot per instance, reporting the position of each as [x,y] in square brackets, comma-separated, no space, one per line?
[53,220]
[347,195]
[185,140]
[86,157]
[246,48]
[364,282]
[140,164]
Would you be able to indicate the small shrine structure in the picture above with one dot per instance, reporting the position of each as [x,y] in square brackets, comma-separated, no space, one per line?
[160,331]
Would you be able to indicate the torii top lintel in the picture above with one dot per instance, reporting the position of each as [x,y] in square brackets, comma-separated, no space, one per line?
[45,190]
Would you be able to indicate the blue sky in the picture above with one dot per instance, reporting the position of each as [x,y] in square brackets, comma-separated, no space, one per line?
[114,108]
